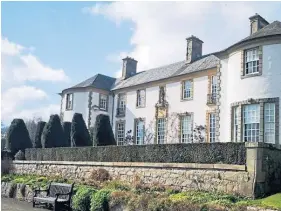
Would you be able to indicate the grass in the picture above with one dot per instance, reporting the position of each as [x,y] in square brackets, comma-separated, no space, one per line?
[143,198]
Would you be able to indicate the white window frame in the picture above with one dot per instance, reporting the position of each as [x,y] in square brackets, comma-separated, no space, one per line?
[214,86]
[161,130]
[186,133]
[140,128]
[235,123]
[103,102]
[251,61]
[269,123]
[251,123]
[141,98]
[120,133]
[122,103]
[69,101]
[187,89]
[212,127]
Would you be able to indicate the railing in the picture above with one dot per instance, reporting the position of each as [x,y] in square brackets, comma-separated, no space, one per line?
[121,111]
[211,99]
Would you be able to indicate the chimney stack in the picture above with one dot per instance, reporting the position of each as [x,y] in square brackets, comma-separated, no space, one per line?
[129,67]
[194,49]
[256,23]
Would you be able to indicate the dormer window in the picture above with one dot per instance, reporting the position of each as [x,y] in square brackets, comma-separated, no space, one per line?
[69,101]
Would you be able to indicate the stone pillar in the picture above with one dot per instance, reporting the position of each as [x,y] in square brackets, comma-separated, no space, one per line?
[263,162]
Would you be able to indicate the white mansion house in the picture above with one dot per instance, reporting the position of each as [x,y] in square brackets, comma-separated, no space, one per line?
[233,94]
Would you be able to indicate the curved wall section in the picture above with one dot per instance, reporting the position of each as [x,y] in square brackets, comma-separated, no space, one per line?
[235,89]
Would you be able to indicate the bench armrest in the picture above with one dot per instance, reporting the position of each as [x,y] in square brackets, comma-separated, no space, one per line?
[62,194]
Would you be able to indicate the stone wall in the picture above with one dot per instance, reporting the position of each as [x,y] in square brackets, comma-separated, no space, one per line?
[231,179]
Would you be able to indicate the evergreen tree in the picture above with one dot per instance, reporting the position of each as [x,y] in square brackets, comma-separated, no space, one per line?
[79,134]
[18,137]
[38,134]
[102,132]
[66,130]
[53,135]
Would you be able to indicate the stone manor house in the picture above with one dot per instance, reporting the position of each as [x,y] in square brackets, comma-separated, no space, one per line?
[234,93]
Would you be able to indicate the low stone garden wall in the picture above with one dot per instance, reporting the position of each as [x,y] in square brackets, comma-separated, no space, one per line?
[232,179]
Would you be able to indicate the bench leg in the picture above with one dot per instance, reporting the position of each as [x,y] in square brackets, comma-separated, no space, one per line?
[33,204]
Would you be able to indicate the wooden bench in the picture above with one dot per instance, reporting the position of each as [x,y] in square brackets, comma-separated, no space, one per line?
[57,194]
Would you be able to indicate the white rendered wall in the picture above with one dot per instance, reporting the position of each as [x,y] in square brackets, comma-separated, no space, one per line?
[173,95]
[235,89]
[80,105]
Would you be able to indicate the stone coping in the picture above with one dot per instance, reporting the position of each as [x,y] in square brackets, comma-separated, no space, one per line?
[262,145]
[227,167]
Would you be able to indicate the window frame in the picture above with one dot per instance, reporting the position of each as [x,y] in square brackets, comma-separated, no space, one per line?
[139,102]
[252,127]
[136,129]
[67,107]
[163,140]
[121,98]
[270,122]
[181,138]
[185,90]
[212,125]
[106,102]
[119,136]
[257,60]
[235,124]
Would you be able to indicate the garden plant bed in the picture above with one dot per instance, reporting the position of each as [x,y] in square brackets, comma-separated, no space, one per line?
[102,194]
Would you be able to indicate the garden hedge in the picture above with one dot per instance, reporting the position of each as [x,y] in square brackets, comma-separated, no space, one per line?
[66,126]
[79,134]
[227,153]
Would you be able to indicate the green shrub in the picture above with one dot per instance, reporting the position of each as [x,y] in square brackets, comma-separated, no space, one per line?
[66,126]
[38,134]
[82,199]
[99,200]
[18,137]
[53,135]
[20,155]
[79,133]
[102,132]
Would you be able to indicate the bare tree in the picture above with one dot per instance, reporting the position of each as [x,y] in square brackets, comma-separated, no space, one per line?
[31,125]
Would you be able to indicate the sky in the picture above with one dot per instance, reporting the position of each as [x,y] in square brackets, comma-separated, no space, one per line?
[49,46]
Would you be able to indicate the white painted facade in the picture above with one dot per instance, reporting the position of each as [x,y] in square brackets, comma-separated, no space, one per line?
[234,89]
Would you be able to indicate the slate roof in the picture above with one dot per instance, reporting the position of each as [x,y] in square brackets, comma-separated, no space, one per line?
[98,81]
[167,71]
[272,29]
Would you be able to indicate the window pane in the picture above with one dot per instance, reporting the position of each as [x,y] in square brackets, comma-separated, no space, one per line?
[161,130]
[251,121]
[186,129]
[139,132]
[187,88]
[251,61]
[120,133]
[212,127]
[103,102]
[269,123]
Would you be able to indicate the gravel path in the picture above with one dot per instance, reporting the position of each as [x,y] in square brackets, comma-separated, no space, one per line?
[15,205]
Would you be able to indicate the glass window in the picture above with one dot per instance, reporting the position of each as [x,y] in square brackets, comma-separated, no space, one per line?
[251,122]
[69,101]
[251,61]
[120,133]
[141,98]
[187,90]
[212,129]
[121,104]
[161,130]
[269,123]
[139,132]
[214,87]
[186,129]
[235,124]
[103,102]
